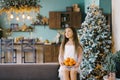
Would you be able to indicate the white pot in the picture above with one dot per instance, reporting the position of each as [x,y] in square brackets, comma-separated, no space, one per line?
[105,77]
[110,76]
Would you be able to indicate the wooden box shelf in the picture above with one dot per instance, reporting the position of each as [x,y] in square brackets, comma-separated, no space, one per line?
[64,19]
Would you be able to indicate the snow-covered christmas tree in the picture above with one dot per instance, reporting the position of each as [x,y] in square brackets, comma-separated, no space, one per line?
[95,37]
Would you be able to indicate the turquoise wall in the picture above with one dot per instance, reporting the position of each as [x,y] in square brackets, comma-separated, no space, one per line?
[45,32]
[106,6]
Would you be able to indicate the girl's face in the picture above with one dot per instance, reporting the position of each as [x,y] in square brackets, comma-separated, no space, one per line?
[68,33]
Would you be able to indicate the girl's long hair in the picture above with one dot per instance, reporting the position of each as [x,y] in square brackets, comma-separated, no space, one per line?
[75,40]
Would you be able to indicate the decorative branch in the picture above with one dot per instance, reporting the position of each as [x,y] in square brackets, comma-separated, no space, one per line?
[19,6]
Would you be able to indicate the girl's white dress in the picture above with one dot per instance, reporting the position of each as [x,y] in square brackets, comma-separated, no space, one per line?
[69,52]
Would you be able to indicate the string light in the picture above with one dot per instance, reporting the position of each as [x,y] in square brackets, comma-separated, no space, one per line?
[28,17]
[11,16]
[17,18]
[23,16]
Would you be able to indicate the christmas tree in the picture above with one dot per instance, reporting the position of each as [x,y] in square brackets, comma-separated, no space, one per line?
[95,37]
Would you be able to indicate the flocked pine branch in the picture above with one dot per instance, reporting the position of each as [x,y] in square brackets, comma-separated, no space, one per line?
[95,37]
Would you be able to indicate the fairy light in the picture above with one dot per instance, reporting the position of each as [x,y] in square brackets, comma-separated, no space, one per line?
[11,16]
[28,17]
[23,16]
[17,18]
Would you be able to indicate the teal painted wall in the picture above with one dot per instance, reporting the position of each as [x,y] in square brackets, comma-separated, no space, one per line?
[41,31]
[106,6]
[52,5]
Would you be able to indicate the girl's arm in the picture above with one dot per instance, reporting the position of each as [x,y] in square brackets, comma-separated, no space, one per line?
[60,57]
[80,51]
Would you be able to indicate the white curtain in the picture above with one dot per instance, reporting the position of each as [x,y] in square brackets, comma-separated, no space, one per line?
[116,24]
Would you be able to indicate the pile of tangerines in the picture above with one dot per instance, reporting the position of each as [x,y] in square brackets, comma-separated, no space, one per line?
[69,62]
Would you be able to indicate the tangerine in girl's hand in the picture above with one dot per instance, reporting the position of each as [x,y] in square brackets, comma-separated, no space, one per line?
[69,62]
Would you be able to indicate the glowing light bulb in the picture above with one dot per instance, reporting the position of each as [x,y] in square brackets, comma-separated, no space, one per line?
[17,18]
[28,17]
[11,16]
[23,16]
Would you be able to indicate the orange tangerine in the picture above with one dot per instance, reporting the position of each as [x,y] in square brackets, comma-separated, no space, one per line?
[74,63]
[66,63]
[69,62]
[68,59]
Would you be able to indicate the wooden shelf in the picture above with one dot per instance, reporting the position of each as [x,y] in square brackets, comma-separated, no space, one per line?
[64,19]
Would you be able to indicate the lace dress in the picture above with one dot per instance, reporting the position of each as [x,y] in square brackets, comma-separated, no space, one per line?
[69,52]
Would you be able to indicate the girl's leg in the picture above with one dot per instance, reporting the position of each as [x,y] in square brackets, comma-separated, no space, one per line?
[73,74]
[66,74]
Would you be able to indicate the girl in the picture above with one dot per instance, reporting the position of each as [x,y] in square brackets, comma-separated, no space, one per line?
[71,48]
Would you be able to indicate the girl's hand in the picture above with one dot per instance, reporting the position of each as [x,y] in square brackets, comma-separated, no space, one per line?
[76,65]
[61,63]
